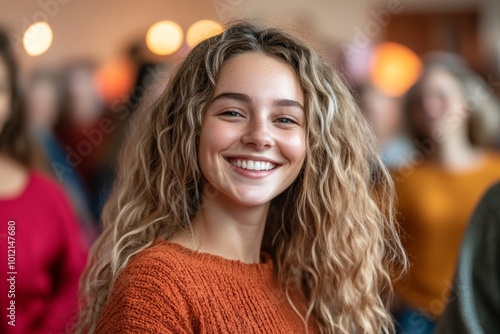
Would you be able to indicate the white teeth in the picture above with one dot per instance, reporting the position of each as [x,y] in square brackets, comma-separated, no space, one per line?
[252,165]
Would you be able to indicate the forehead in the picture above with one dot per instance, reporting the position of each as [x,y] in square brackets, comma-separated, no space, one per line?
[442,79]
[259,75]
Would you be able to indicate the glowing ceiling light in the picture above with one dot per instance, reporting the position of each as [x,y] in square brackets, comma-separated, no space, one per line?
[202,30]
[164,37]
[37,38]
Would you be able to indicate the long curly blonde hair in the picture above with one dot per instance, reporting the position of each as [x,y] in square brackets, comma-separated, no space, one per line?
[331,233]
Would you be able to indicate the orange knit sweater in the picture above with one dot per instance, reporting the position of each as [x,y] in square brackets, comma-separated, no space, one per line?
[168,288]
[435,206]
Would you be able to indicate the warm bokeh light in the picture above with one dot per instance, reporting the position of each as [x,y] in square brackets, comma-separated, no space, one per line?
[164,37]
[395,68]
[115,79]
[201,30]
[37,38]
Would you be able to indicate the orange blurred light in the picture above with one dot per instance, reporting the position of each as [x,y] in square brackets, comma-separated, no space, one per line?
[394,69]
[164,37]
[202,30]
[115,79]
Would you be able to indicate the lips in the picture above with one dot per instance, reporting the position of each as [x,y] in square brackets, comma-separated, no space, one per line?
[255,165]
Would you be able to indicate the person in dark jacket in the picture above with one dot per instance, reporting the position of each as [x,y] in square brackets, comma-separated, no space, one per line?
[474,304]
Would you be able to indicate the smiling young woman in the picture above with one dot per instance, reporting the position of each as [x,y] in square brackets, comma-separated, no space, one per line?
[249,202]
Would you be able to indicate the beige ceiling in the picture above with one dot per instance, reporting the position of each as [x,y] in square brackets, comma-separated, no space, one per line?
[99,29]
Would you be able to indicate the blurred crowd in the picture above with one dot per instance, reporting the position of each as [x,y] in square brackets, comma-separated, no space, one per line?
[60,134]
[441,141]
[61,130]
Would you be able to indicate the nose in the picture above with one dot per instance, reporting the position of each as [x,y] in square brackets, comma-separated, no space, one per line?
[432,105]
[258,134]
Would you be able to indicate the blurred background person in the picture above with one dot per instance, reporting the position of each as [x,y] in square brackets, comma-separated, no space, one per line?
[451,114]
[389,69]
[79,130]
[385,115]
[46,104]
[125,83]
[47,242]
[474,304]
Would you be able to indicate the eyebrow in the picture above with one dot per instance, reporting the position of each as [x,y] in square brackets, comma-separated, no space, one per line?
[247,99]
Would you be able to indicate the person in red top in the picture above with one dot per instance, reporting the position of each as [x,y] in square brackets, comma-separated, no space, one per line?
[42,251]
[248,201]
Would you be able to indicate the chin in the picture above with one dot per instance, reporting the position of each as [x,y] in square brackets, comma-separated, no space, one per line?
[250,201]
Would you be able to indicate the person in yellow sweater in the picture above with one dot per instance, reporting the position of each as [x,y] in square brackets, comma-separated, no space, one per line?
[440,187]
[246,203]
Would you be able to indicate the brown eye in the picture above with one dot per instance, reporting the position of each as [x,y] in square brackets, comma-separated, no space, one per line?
[231,113]
[286,120]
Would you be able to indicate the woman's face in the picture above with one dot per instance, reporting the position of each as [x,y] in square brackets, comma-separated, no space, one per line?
[5,93]
[252,141]
[441,109]
[42,103]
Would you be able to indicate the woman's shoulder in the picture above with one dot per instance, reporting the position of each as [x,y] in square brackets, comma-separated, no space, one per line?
[41,183]
[172,261]
[40,190]
[493,157]
[162,255]
[159,267]
[44,191]
[150,295]
[165,263]
[489,168]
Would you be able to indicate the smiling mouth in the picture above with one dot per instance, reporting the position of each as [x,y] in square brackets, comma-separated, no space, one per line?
[252,164]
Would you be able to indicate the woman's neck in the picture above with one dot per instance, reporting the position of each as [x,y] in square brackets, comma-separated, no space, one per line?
[13,177]
[228,229]
[456,152]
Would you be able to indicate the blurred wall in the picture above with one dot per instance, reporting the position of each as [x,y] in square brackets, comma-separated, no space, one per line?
[98,29]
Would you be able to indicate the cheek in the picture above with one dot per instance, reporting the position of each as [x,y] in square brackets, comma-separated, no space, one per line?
[215,137]
[293,148]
